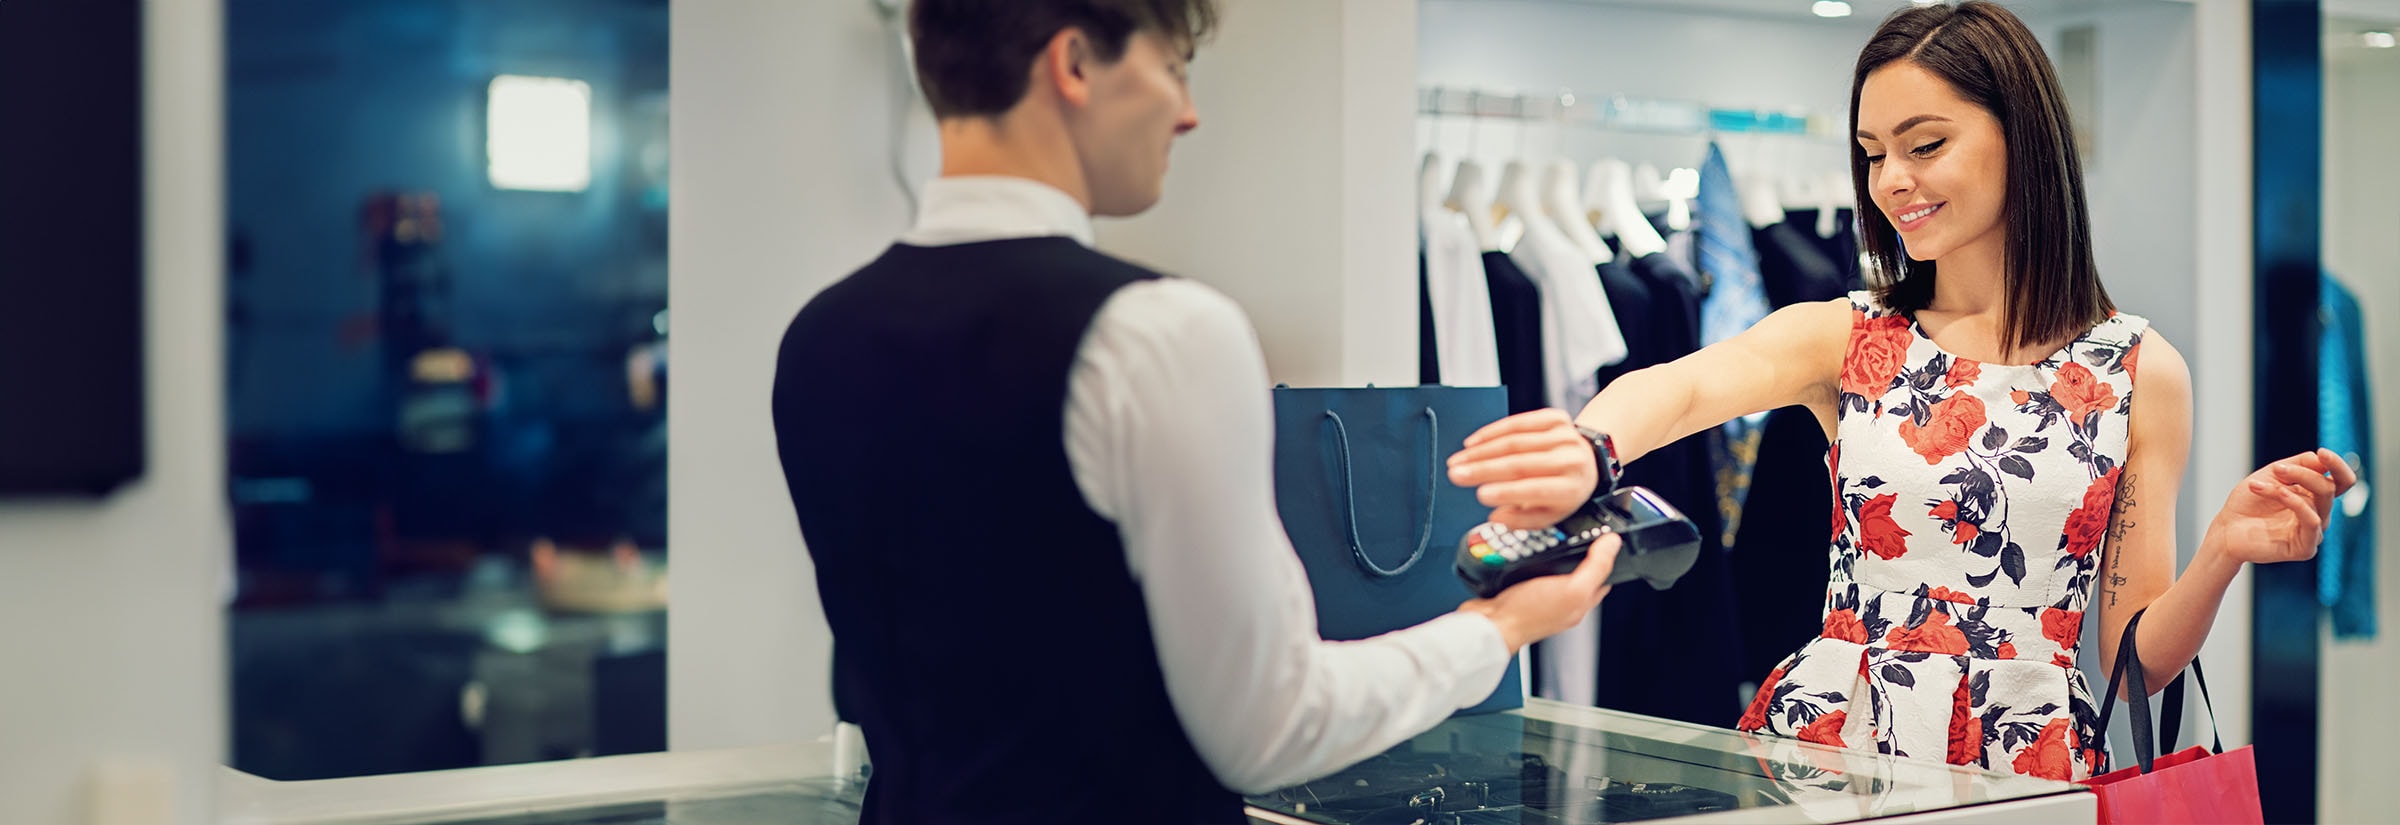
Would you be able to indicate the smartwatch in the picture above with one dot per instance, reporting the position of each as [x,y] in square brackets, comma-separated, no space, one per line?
[1604,456]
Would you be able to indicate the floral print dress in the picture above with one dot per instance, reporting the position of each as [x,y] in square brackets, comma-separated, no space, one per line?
[1972,505]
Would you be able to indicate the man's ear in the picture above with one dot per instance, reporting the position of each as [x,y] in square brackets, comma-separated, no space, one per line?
[1066,64]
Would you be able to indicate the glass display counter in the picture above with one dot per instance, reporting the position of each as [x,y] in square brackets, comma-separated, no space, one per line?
[1543,765]
[1554,764]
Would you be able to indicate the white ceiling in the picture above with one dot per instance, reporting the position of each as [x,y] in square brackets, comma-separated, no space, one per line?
[1871,11]
[2378,10]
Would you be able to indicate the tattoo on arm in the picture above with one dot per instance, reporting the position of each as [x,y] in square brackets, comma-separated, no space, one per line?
[2120,519]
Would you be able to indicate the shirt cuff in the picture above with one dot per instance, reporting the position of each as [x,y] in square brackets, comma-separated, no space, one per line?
[1478,652]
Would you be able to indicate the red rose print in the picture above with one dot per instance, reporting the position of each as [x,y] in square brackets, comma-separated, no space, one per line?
[1966,731]
[2008,650]
[2061,660]
[1878,349]
[2062,626]
[1833,468]
[1877,532]
[1948,595]
[1963,372]
[1827,730]
[1965,531]
[2094,760]
[1755,718]
[2081,392]
[1936,635]
[2021,397]
[1844,625]
[2048,756]
[2089,523]
[2132,354]
[1953,424]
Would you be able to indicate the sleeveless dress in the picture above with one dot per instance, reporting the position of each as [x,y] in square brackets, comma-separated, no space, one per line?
[1972,504]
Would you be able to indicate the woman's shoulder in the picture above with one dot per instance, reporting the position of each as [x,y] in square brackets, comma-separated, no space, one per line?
[1868,305]
[2148,358]
[1864,300]
[1823,316]
[1806,330]
[2122,329]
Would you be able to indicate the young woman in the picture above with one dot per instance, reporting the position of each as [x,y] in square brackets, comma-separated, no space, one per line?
[2003,439]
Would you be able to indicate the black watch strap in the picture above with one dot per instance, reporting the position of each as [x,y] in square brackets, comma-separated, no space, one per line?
[1604,456]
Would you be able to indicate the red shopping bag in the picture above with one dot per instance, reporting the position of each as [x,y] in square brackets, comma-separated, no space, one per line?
[2194,785]
[2190,786]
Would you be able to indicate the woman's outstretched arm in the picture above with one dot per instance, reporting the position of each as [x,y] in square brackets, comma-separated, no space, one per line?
[1534,469]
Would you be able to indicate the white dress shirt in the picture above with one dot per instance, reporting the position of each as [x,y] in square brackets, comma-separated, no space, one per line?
[1170,433]
[1579,328]
[1465,344]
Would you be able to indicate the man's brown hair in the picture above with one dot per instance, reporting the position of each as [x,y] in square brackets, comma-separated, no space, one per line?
[974,57]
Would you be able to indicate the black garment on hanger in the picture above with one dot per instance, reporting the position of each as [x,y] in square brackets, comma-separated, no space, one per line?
[1629,300]
[1429,360]
[1683,247]
[1778,559]
[1675,296]
[1842,248]
[1673,654]
[1517,331]
[1794,268]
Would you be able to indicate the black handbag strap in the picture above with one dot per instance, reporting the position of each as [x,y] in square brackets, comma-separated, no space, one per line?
[1358,549]
[2128,669]
[2146,735]
[2171,714]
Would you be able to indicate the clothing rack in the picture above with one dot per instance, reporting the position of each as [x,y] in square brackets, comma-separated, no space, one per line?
[1622,113]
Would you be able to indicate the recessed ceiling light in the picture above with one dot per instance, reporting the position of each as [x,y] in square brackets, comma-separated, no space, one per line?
[538,133]
[1831,8]
[2378,40]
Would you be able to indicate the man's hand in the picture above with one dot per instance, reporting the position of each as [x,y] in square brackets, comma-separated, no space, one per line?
[1532,469]
[1536,609]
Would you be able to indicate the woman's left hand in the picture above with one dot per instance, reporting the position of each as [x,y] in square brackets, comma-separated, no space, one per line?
[2278,514]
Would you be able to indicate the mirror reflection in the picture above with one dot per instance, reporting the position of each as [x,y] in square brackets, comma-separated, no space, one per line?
[446,338]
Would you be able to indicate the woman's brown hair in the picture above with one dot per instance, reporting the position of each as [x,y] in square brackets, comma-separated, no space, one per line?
[1988,56]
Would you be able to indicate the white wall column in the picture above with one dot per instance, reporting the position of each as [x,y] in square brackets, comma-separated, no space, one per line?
[115,640]
[2220,354]
[783,131]
[1295,196]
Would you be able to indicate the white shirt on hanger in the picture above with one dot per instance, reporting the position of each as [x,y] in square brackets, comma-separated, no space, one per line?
[1170,434]
[1466,344]
[1579,329]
